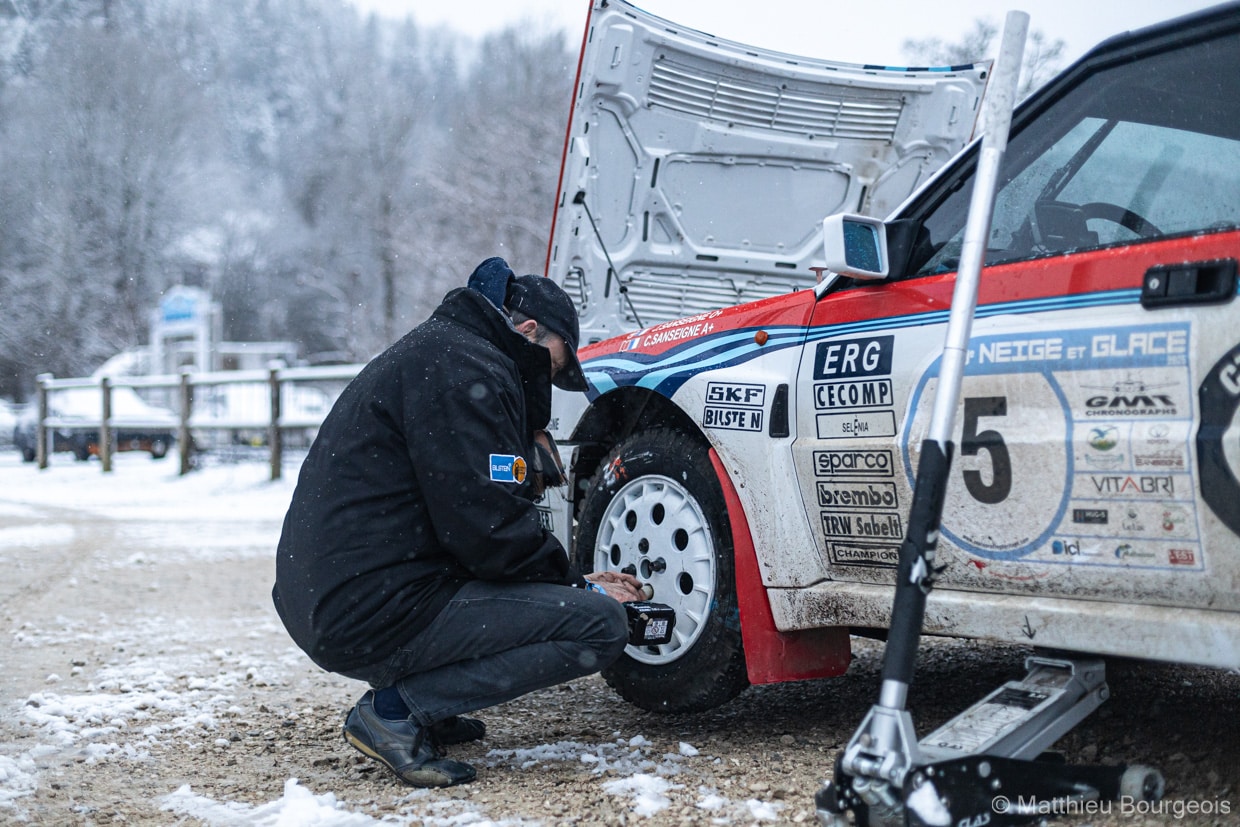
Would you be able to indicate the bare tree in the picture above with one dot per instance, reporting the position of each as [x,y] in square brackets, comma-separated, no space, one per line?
[498,184]
[1042,59]
[106,129]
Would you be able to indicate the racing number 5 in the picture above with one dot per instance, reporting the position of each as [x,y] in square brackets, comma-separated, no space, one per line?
[992,443]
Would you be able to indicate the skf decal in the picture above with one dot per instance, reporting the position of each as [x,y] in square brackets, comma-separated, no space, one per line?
[507,468]
[734,407]
[747,396]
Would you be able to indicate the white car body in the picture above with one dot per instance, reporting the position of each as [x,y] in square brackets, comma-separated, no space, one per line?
[1094,501]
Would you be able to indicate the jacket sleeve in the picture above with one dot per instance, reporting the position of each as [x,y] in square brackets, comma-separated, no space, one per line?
[479,514]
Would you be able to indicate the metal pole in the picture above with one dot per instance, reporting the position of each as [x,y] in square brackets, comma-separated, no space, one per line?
[41,451]
[996,120]
[915,573]
[184,439]
[885,749]
[105,425]
[273,429]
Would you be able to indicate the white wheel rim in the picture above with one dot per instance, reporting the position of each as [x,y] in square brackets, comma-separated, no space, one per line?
[653,522]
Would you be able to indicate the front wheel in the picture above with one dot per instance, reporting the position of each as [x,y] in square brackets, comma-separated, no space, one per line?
[655,509]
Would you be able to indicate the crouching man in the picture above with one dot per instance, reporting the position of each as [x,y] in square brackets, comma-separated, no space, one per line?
[412,556]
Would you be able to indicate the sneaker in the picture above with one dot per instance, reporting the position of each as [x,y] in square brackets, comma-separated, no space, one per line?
[457,730]
[404,747]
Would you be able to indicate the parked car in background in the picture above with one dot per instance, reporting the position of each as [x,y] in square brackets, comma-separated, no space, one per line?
[8,422]
[74,415]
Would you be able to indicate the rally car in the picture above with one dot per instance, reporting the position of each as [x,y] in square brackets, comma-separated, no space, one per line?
[754,460]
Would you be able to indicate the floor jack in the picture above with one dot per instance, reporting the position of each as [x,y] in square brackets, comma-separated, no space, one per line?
[985,767]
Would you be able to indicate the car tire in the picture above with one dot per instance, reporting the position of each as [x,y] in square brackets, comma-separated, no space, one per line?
[159,449]
[655,508]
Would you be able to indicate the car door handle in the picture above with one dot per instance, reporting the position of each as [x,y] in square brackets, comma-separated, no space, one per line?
[1201,282]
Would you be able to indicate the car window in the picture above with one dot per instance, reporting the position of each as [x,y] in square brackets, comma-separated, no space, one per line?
[1139,151]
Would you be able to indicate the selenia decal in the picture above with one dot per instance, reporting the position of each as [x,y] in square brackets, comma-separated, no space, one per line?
[1072,447]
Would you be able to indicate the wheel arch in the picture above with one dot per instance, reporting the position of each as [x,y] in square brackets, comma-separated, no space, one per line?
[771,655]
[612,418]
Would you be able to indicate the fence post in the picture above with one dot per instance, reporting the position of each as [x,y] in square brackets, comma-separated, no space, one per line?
[105,425]
[185,440]
[41,451]
[273,429]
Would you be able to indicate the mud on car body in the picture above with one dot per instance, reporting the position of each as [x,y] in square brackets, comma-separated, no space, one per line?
[755,462]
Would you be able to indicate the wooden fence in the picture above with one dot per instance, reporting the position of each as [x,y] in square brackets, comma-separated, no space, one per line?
[279,408]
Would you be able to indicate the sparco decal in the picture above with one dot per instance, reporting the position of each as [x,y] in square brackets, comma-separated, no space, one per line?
[1219,397]
[854,464]
[850,358]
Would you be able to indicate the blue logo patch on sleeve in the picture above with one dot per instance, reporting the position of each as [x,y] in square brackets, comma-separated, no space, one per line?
[507,468]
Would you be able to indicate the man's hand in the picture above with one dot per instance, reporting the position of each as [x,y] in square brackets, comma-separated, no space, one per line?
[623,587]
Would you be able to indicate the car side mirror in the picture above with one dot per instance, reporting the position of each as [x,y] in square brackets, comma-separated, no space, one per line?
[855,246]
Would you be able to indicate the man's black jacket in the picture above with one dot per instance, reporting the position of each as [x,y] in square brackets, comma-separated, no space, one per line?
[405,493]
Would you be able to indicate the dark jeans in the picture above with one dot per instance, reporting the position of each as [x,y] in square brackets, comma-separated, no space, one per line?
[497,641]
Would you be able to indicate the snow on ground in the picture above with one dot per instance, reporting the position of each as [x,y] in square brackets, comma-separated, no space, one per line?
[180,691]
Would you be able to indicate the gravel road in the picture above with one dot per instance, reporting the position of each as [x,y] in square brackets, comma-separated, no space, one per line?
[137,662]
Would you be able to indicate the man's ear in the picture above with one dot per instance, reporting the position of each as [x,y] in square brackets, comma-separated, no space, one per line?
[527,328]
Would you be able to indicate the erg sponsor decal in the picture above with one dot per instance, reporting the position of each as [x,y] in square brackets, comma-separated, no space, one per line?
[848,358]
